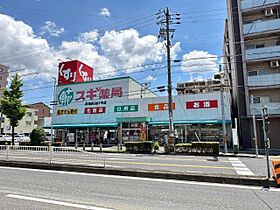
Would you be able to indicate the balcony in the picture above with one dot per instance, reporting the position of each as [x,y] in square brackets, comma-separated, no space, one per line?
[263,53]
[261,26]
[273,108]
[247,4]
[264,80]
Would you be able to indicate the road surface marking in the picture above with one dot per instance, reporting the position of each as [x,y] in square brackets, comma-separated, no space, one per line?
[144,179]
[55,202]
[240,168]
[168,164]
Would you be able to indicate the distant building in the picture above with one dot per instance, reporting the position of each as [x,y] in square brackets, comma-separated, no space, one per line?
[3,78]
[197,87]
[43,111]
[26,125]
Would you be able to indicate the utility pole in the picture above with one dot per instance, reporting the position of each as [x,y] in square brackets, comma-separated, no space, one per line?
[222,79]
[266,140]
[164,20]
[254,126]
[53,103]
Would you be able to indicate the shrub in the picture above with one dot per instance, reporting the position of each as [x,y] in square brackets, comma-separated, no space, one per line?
[183,147]
[198,147]
[139,146]
[37,136]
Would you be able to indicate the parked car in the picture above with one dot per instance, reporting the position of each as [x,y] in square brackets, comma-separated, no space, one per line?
[21,138]
[49,137]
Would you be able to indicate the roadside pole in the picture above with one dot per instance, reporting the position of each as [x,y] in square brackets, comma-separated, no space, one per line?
[223,115]
[254,126]
[266,141]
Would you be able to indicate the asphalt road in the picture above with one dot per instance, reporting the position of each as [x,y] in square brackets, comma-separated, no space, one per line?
[42,189]
[185,164]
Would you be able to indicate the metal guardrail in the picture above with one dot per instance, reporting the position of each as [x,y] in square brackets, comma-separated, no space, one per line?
[50,155]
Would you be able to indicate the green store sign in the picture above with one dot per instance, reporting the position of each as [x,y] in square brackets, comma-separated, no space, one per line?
[126,108]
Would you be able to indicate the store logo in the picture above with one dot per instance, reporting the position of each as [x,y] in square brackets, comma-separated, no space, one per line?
[65,96]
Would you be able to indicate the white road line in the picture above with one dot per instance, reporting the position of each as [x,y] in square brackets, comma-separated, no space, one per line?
[55,202]
[144,179]
[240,167]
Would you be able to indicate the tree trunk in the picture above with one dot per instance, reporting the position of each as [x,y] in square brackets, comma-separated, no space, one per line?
[13,135]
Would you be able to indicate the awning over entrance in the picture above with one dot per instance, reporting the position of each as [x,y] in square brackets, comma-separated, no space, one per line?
[191,122]
[94,125]
[133,119]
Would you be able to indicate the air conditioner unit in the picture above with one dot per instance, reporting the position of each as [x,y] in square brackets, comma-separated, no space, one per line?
[269,12]
[274,64]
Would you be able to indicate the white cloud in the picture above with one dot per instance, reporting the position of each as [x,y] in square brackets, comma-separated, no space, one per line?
[51,28]
[90,36]
[150,78]
[126,49]
[199,62]
[104,12]
[174,50]
[108,54]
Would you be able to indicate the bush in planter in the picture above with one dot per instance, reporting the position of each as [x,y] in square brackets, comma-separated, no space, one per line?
[37,136]
[183,147]
[139,146]
[206,147]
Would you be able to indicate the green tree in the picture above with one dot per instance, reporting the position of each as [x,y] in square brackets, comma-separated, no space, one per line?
[11,103]
[37,136]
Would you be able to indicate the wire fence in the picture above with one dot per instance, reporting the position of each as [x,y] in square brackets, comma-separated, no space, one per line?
[51,155]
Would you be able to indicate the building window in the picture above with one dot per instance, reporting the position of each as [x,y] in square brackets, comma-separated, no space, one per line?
[257,100]
[29,114]
[263,71]
[259,45]
[252,73]
[1,70]
[28,123]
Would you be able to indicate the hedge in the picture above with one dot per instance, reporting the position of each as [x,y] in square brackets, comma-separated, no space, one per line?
[198,148]
[139,146]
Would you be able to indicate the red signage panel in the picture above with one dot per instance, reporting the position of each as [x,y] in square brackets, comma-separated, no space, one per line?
[74,71]
[95,110]
[205,104]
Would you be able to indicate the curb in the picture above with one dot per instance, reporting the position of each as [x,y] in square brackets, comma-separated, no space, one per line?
[220,178]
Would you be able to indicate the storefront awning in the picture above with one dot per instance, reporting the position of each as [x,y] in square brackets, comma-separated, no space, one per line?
[94,125]
[133,119]
[190,122]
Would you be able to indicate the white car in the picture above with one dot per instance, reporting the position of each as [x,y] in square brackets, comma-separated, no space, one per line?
[21,138]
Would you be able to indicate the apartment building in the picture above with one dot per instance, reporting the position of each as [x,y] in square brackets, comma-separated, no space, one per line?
[43,112]
[199,86]
[3,78]
[25,126]
[252,61]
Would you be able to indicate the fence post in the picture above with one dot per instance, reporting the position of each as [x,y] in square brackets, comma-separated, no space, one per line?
[50,154]
[7,152]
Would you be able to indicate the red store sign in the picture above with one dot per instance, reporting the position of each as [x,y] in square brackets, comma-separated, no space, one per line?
[95,110]
[202,104]
[74,71]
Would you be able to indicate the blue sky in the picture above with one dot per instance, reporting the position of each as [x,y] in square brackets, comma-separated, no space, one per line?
[35,33]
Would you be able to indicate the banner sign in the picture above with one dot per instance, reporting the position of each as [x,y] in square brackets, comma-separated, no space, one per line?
[74,71]
[160,106]
[95,110]
[66,111]
[202,104]
[126,108]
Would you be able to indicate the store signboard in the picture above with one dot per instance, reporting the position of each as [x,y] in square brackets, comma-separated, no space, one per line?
[126,108]
[74,71]
[66,111]
[160,106]
[95,110]
[205,104]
